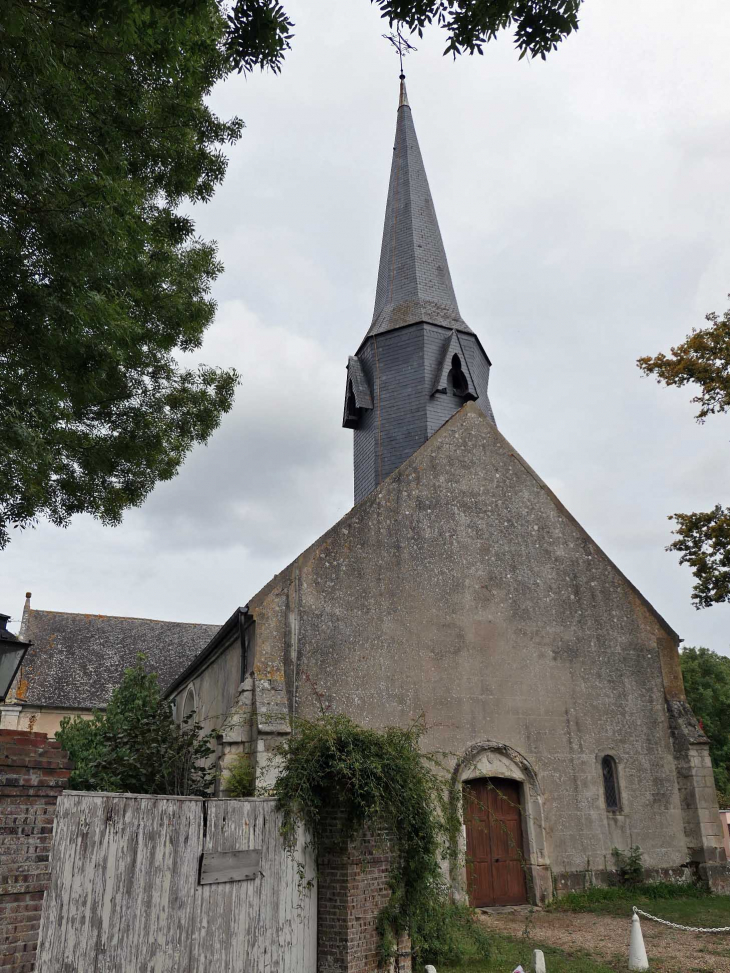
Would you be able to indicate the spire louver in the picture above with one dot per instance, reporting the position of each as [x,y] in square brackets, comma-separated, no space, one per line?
[414,283]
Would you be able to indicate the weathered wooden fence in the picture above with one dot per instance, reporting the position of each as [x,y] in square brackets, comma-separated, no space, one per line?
[125,895]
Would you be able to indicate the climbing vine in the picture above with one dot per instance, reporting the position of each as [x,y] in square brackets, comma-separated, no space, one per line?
[382,779]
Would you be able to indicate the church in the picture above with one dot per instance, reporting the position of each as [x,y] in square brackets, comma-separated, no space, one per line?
[459,589]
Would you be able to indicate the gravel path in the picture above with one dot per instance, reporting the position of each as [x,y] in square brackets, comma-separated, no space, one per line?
[607,938]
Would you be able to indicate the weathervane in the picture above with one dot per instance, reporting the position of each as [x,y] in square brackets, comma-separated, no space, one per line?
[401,45]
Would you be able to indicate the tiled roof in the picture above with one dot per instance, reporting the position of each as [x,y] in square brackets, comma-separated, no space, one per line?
[414,283]
[77,660]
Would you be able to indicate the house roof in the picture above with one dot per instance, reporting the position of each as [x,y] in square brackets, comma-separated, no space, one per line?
[414,282]
[77,660]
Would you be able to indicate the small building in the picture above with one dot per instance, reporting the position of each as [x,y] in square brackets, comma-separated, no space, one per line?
[460,589]
[76,661]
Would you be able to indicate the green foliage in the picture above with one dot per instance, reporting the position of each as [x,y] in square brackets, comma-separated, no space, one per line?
[629,866]
[136,747]
[332,765]
[259,32]
[508,952]
[702,360]
[702,539]
[590,898]
[539,25]
[707,685]
[104,131]
[240,781]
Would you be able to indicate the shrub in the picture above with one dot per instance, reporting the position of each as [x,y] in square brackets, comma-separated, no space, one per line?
[240,781]
[629,866]
[136,747]
[333,765]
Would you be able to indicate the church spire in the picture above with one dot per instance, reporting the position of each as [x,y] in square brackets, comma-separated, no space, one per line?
[419,362]
[414,283]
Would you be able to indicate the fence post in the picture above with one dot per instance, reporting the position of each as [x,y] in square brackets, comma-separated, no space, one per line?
[637,950]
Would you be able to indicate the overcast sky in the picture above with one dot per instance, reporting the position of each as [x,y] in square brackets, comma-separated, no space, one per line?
[585,209]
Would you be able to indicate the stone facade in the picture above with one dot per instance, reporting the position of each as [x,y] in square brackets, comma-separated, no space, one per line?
[463,590]
[33,772]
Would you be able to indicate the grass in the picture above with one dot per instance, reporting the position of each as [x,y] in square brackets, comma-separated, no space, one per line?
[507,953]
[683,903]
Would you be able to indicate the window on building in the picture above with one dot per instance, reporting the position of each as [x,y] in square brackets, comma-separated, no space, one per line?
[610,784]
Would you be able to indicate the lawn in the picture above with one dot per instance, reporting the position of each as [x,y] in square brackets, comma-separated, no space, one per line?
[508,953]
[585,952]
[685,904]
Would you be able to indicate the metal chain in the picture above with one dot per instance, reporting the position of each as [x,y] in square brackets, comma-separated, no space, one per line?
[675,925]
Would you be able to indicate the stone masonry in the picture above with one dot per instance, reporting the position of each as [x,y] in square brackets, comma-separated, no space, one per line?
[33,772]
[353,886]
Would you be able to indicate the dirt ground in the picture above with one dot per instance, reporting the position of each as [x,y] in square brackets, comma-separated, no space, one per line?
[606,938]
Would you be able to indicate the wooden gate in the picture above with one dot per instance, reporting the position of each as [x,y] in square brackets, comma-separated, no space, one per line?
[128,892]
[494,849]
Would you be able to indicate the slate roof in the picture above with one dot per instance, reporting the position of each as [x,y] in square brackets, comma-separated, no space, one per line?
[414,283]
[356,375]
[77,660]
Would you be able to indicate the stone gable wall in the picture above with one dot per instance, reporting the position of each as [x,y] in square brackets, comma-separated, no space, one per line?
[33,772]
[461,589]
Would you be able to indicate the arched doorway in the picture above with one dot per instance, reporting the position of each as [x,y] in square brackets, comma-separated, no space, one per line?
[495,860]
[510,774]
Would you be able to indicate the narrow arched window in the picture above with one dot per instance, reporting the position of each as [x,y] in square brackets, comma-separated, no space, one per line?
[189,705]
[610,784]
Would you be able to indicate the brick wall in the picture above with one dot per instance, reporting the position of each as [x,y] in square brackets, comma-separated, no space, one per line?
[33,772]
[352,889]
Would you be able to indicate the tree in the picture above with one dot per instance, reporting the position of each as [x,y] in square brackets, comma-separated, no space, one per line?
[703,539]
[707,684]
[136,746]
[104,133]
[470,24]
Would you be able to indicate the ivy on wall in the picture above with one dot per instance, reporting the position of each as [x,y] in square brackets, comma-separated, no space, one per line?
[382,779]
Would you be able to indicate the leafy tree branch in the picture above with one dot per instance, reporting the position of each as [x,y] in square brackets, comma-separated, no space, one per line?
[702,539]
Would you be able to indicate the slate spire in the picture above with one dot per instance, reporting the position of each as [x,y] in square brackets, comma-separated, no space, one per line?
[414,283]
[419,363]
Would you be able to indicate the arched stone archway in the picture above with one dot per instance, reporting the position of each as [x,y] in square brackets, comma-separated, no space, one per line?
[190,703]
[490,759]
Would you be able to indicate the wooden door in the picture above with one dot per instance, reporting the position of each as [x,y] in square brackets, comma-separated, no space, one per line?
[494,860]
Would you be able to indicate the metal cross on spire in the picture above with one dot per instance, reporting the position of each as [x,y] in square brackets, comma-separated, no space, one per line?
[401,45]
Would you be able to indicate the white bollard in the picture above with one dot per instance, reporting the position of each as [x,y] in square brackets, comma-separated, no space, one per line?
[430,969]
[538,962]
[637,950]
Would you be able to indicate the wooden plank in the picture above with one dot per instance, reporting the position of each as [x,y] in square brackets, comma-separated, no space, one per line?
[125,898]
[230,866]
